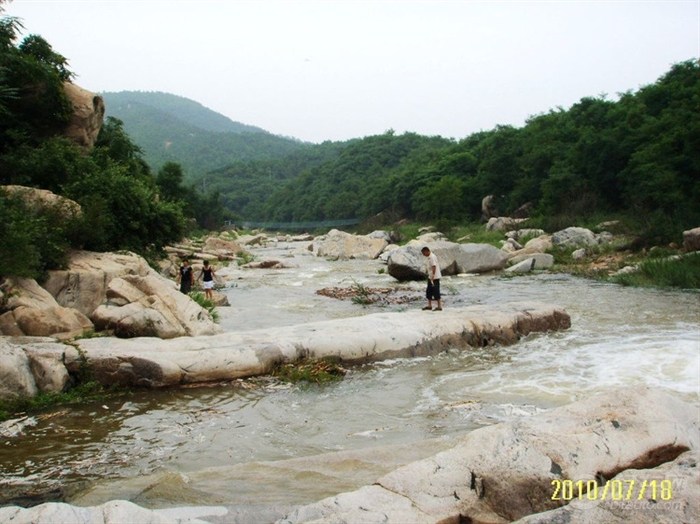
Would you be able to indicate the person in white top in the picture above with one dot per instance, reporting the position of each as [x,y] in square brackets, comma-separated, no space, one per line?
[432,292]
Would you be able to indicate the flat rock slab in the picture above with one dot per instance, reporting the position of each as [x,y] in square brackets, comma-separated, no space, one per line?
[635,441]
[26,362]
[643,440]
[157,363]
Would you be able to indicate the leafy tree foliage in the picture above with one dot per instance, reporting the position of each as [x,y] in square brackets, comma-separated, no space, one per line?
[120,198]
[639,155]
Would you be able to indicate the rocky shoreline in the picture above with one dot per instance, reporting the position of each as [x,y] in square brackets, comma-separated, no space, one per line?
[33,364]
[629,455]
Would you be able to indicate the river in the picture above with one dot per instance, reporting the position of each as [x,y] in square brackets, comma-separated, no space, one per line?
[258,442]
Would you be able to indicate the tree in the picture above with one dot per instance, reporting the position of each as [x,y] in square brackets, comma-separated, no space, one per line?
[169,181]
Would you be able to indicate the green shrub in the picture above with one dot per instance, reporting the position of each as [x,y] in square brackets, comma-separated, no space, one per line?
[207,304]
[681,272]
[34,239]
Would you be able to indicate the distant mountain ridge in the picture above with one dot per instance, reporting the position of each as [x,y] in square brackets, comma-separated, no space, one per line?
[171,128]
[179,107]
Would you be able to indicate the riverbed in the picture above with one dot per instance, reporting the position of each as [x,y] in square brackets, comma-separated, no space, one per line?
[258,442]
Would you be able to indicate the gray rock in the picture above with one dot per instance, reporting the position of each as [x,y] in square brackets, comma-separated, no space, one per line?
[579,254]
[691,239]
[503,223]
[339,245]
[408,263]
[574,237]
[505,472]
[16,378]
[541,260]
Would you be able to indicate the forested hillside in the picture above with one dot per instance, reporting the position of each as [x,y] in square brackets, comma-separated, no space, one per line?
[170,128]
[124,205]
[638,155]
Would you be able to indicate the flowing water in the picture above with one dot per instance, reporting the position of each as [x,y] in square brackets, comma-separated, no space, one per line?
[259,441]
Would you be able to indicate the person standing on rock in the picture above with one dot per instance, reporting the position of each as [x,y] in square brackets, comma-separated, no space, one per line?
[432,292]
[186,277]
[207,276]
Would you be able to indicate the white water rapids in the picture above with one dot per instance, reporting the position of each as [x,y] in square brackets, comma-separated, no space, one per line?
[207,445]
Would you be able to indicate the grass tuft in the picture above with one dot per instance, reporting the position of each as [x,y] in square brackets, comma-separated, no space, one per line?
[320,371]
[675,272]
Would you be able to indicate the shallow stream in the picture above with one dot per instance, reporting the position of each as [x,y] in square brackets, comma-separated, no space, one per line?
[257,442]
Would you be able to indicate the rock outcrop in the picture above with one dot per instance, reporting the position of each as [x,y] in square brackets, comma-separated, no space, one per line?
[88,115]
[506,472]
[408,263]
[150,306]
[83,284]
[43,200]
[339,245]
[154,362]
[113,291]
[641,443]
[26,373]
[31,310]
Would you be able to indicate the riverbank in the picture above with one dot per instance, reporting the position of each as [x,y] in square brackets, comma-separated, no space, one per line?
[151,362]
[152,438]
[538,468]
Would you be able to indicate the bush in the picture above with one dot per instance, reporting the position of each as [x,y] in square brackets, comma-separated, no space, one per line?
[675,272]
[34,240]
[201,299]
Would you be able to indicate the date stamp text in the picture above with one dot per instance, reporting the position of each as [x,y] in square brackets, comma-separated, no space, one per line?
[616,490]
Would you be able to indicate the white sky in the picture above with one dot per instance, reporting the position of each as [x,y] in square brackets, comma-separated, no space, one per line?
[337,69]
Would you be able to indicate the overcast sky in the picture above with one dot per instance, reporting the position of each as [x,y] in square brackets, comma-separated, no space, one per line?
[336,69]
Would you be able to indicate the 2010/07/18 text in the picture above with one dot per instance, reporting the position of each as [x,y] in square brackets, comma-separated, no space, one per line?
[612,490]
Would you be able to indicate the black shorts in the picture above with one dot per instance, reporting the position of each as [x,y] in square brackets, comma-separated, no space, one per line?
[432,292]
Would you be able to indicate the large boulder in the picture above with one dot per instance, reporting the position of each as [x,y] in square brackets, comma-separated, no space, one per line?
[538,260]
[505,472]
[408,263]
[83,285]
[151,306]
[31,310]
[29,365]
[540,244]
[528,263]
[221,249]
[16,378]
[691,239]
[39,200]
[120,291]
[574,237]
[56,321]
[88,115]
[339,245]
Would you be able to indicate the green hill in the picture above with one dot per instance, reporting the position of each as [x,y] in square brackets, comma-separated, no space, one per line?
[170,128]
